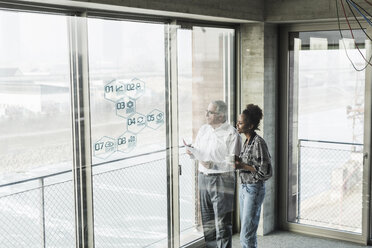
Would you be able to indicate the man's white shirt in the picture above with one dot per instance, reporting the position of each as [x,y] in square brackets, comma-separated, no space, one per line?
[214,145]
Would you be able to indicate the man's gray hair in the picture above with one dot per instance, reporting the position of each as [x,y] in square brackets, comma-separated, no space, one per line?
[221,108]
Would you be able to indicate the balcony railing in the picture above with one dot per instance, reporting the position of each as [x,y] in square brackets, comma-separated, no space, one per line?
[130,206]
[330,184]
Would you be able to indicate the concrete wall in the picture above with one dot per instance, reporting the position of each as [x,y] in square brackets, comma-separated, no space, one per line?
[236,11]
[270,121]
[304,10]
[259,86]
[240,9]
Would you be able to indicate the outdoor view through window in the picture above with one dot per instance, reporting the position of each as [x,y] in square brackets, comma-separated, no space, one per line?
[36,189]
[326,130]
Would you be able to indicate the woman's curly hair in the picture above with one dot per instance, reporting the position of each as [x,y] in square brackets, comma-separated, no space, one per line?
[252,115]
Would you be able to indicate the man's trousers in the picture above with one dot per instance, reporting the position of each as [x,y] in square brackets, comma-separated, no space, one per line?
[216,203]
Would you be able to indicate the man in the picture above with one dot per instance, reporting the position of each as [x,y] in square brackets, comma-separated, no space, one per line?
[215,142]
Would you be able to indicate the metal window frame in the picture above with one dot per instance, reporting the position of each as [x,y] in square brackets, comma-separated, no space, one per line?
[237,111]
[80,115]
[283,142]
[367,150]
[81,124]
[173,169]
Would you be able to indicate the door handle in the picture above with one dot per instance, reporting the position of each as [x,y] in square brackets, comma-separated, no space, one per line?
[365,157]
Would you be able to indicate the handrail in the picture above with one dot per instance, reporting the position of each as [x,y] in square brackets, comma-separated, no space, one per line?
[331,142]
[94,165]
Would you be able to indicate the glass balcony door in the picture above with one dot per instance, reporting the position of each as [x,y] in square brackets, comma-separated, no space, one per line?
[131,94]
[36,180]
[139,188]
[127,94]
[205,62]
[327,135]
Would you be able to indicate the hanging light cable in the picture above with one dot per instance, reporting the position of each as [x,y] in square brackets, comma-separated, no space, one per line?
[356,19]
[367,2]
[342,39]
[360,7]
[352,35]
[357,9]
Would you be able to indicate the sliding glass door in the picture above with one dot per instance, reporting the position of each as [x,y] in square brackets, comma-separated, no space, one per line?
[328,128]
[132,79]
[36,183]
[127,93]
[93,111]
[205,63]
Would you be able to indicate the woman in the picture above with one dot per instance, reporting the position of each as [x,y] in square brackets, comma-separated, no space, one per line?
[254,167]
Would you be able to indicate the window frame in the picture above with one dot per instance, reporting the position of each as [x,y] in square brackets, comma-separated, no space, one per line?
[284,84]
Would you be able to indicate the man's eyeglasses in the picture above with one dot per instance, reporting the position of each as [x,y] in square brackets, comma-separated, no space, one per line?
[208,112]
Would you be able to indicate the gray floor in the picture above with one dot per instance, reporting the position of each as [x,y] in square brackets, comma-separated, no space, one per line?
[282,239]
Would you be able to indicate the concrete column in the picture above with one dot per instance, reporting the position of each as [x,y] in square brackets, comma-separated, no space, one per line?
[259,86]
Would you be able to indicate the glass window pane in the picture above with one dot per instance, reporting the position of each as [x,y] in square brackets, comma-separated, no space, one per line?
[127,93]
[35,132]
[326,130]
[204,62]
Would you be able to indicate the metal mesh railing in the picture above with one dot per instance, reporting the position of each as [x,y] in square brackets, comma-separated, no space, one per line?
[130,204]
[330,184]
[130,207]
[41,216]
[59,215]
[21,220]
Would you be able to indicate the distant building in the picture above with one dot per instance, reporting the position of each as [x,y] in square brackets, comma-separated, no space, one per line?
[10,72]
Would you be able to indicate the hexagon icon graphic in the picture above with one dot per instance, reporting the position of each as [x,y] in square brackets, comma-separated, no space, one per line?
[135,88]
[114,90]
[136,122]
[126,142]
[104,147]
[125,107]
[155,119]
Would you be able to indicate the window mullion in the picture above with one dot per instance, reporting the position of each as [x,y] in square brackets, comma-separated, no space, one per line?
[172,135]
[82,166]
